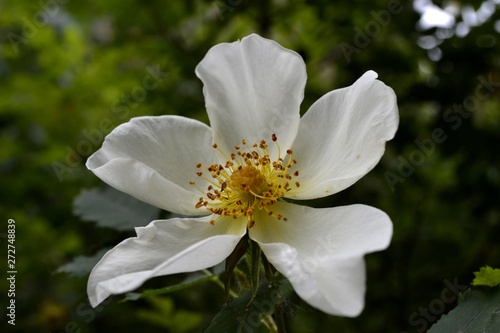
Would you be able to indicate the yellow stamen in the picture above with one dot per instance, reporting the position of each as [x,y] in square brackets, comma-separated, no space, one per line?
[249,181]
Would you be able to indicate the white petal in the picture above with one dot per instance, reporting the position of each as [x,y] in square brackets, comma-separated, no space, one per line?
[343,135]
[154,158]
[321,251]
[253,89]
[163,247]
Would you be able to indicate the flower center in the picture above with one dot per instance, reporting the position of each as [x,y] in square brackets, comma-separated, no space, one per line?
[249,180]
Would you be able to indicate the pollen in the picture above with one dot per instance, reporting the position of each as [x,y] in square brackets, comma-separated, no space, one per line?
[249,181]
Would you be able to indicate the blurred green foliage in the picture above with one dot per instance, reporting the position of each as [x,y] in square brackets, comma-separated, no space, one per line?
[71,71]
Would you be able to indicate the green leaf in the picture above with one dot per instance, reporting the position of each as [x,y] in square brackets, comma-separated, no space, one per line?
[477,311]
[487,276]
[245,313]
[82,265]
[113,209]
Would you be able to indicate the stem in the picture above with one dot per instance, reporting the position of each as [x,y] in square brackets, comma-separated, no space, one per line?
[232,262]
[268,320]
[216,279]
[279,315]
[269,270]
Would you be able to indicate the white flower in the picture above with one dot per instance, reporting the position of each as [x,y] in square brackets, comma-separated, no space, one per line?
[235,174]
